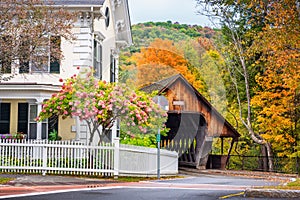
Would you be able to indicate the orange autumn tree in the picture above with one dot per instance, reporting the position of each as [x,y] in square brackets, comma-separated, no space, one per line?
[161,59]
[277,99]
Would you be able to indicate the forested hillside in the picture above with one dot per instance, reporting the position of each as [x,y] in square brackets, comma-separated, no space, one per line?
[145,33]
[166,48]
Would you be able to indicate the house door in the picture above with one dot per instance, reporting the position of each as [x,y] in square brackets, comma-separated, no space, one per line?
[53,123]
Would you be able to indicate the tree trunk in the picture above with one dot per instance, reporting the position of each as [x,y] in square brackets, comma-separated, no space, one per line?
[270,156]
[264,159]
[265,144]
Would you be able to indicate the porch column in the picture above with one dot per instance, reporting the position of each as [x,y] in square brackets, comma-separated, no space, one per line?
[39,124]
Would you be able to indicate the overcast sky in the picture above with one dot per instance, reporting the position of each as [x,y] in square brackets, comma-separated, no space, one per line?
[182,11]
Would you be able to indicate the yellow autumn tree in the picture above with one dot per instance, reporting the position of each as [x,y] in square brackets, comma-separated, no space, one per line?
[161,59]
[278,94]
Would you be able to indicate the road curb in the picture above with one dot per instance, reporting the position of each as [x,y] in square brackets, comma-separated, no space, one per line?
[252,174]
[272,193]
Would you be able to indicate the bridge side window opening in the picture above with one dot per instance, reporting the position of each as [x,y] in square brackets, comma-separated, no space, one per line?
[162,101]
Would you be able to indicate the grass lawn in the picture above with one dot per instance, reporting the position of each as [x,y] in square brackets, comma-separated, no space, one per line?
[5,180]
[294,185]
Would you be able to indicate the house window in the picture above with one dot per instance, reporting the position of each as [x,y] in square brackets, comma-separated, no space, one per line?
[4,118]
[45,58]
[5,65]
[97,59]
[33,113]
[23,118]
[112,68]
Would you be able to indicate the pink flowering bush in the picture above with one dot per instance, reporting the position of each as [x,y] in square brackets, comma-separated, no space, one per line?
[100,104]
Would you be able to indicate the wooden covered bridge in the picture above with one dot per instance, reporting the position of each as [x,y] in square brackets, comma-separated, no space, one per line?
[192,120]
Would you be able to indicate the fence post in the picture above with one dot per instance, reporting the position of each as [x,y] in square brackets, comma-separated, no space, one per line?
[116,142]
[45,155]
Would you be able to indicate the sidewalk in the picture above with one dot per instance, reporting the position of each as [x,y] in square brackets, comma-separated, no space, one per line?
[24,184]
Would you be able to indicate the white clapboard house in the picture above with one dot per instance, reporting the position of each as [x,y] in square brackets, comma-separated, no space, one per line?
[101,30]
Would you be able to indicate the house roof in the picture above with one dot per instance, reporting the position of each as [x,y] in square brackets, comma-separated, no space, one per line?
[76,2]
[162,85]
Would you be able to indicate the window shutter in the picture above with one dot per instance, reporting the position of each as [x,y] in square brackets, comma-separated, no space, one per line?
[55,42]
[4,118]
[23,118]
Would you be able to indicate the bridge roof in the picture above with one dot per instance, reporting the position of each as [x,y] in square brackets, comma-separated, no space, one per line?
[163,85]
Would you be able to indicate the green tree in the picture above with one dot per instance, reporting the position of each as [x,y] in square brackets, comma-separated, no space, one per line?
[278,93]
[241,21]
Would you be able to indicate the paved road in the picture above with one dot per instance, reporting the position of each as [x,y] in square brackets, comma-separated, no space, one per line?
[142,194]
[132,194]
[204,187]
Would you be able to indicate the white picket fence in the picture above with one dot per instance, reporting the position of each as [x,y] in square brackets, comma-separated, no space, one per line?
[142,161]
[75,158]
[56,157]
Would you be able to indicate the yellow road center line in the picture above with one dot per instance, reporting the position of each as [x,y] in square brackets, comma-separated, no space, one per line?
[232,195]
